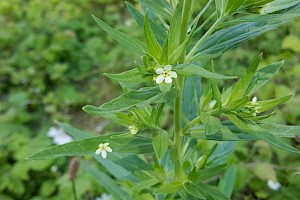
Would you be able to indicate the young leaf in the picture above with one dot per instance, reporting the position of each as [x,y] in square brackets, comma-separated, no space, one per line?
[207,173]
[175,26]
[139,18]
[263,106]
[240,88]
[133,75]
[130,43]
[220,7]
[211,123]
[161,7]
[161,143]
[122,143]
[279,5]
[263,75]
[193,69]
[169,188]
[153,45]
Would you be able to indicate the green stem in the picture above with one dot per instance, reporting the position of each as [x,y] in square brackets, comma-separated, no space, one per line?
[204,37]
[74,190]
[195,121]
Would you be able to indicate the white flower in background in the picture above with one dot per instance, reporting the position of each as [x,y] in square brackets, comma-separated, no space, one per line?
[103,149]
[254,100]
[59,136]
[165,74]
[274,185]
[133,129]
[104,196]
[54,168]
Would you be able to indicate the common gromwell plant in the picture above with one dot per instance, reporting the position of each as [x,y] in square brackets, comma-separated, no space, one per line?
[151,161]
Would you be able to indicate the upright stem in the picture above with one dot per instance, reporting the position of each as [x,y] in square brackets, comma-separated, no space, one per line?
[178,136]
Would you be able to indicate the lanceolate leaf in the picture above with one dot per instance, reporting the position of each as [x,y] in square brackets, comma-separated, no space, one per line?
[279,5]
[130,43]
[139,18]
[161,7]
[153,45]
[191,69]
[122,143]
[77,134]
[175,26]
[133,75]
[137,98]
[271,103]
[261,133]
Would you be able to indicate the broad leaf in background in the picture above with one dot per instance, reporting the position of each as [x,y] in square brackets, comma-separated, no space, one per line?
[130,43]
[227,182]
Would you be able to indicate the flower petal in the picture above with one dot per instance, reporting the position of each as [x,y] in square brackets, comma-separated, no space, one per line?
[173,74]
[160,71]
[106,144]
[168,68]
[159,79]
[108,149]
[168,79]
[103,154]
[98,151]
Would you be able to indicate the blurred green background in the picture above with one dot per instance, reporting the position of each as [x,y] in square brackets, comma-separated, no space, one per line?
[52,56]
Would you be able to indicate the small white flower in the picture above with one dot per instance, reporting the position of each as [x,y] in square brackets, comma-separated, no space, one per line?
[254,100]
[103,149]
[104,196]
[274,185]
[54,168]
[59,136]
[165,74]
[133,129]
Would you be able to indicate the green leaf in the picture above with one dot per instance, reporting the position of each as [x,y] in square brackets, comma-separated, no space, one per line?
[263,75]
[130,43]
[106,182]
[139,18]
[160,7]
[175,27]
[139,98]
[227,182]
[169,188]
[279,5]
[161,143]
[207,173]
[220,7]
[194,191]
[233,6]
[146,184]
[240,88]
[193,69]
[263,106]
[122,143]
[133,75]
[77,134]
[191,96]
[212,124]
[153,45]
[209,192]
[251,128]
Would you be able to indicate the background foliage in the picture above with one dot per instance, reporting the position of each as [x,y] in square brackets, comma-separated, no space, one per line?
[52,54]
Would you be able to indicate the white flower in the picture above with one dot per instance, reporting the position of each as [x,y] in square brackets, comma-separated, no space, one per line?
[274,185]
[104,196]
[59,136]
[103,149]
[165,74]
[133,129]
[254,100]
